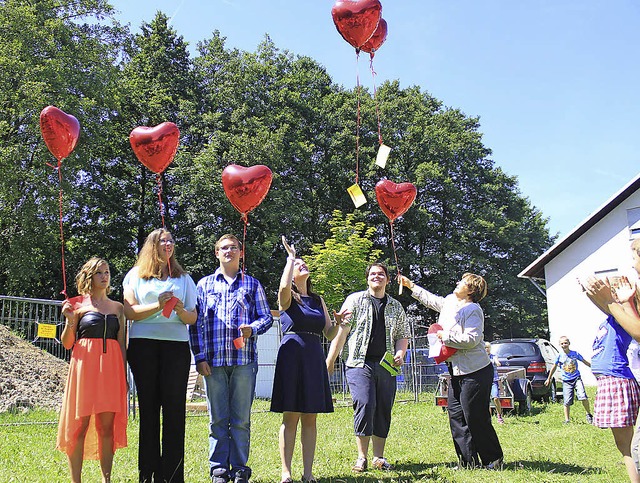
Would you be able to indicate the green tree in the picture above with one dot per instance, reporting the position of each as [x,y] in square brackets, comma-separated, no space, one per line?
[339,264]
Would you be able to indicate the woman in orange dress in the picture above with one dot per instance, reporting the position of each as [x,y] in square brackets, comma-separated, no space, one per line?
[93,419]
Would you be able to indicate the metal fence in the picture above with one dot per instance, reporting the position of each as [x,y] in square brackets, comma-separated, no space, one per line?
[419,373]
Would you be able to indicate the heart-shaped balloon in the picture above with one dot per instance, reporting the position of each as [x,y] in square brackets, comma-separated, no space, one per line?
[372,45]
[445,352]
[59,130]
[155,147]
[395,199]
[246,187]
[356,20]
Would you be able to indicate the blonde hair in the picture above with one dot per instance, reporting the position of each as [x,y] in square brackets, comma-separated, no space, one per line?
[477,285]
[84,278]
[228,236]
[563,337]
[149,262]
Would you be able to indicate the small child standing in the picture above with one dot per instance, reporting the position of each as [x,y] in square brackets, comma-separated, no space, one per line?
[571,380]
[495,385]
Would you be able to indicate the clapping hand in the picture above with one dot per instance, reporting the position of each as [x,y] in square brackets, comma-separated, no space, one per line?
[622,289]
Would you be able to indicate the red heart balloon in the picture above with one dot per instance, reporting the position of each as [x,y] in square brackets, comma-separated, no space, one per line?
[395,199]
[377,39]
[356,20]
[445,352]
[246,187]
[59,130]
[155,147]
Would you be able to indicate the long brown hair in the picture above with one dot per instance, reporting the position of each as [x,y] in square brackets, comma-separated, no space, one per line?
[149,262]
[84,278]
[295,292]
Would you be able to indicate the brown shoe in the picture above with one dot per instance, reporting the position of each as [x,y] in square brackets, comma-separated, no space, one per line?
[360,465]
[381,464]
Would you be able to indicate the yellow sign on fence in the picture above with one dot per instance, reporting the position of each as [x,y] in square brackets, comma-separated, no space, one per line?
[47,331]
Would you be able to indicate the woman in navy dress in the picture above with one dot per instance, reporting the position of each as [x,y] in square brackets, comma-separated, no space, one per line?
[301,382]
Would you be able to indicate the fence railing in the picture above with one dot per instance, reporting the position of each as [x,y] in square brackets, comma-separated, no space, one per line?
[24,315]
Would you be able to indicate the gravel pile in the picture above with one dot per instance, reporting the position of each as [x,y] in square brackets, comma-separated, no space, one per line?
[29,376]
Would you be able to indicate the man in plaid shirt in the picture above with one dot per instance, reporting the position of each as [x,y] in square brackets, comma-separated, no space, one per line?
[232,312]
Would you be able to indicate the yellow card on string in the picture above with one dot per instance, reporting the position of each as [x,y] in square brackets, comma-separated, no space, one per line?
[357,196]
[383,154]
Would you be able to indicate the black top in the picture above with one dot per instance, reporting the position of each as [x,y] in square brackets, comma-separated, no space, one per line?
[377,341]
[94,325]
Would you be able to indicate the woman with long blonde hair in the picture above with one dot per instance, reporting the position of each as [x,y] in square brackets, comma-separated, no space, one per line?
[160,300]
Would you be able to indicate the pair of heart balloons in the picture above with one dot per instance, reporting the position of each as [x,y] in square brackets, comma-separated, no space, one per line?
[360,23]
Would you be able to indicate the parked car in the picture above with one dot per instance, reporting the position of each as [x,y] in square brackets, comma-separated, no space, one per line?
[537,356]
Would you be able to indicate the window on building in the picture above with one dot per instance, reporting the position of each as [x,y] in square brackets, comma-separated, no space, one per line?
[633,222]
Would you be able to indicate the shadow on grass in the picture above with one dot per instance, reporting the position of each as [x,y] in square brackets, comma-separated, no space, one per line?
[444,472]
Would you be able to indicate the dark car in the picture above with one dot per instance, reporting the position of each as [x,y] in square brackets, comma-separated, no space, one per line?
[537,356]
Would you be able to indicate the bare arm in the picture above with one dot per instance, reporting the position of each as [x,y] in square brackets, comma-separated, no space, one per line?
[401,350]
[68,336]
[336,346]
[623,309]
[284,291]
[330,329]
[551,373]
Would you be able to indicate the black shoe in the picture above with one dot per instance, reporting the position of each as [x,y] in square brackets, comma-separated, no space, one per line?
[220,475]
[242,476]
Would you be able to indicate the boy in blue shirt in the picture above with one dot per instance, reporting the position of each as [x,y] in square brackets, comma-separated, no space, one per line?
[571,380]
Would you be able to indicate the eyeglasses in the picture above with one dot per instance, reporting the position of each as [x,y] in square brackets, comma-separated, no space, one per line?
[167,242]
[230,248]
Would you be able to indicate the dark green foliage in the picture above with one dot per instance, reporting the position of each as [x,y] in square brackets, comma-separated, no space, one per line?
[232,107]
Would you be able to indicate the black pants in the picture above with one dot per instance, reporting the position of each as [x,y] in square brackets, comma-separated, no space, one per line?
[161,372]
[470,419]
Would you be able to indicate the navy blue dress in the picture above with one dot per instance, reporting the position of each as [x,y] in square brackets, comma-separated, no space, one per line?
[301,381]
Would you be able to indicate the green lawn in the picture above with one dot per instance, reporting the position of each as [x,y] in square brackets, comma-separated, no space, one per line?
[538,448]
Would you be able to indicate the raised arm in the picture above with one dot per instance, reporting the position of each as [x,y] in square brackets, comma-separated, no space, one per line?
[617,302]
[284,291]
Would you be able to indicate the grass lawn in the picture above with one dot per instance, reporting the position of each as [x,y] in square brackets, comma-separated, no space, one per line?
[537,447]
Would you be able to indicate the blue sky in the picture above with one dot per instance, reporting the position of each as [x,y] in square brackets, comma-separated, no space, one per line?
[554,82]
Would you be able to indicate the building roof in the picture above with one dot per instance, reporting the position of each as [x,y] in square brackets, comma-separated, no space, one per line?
[536,269]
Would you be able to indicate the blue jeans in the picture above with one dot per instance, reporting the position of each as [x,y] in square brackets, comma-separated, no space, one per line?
[230,392]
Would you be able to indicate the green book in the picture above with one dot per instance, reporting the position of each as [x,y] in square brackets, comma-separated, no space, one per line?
[387,363]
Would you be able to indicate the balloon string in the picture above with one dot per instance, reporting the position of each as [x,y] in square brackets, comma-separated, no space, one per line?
[357,113]
[64,270]
[159,182]
[375,99]
[245,219]
[393,244]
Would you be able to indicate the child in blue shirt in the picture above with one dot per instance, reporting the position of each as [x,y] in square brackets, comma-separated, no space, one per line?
[567,360]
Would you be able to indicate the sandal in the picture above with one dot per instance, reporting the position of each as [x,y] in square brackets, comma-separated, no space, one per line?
[381,464]
[309,480]
[287,480]
[360,465]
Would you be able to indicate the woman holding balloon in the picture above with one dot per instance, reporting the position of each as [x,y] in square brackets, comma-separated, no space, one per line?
[160,299]
[461,323]
[93,418]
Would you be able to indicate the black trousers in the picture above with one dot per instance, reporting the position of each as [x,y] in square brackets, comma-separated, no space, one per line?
[470,419]
[161,372]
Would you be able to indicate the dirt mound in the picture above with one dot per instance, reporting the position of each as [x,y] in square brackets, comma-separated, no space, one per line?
[29,376]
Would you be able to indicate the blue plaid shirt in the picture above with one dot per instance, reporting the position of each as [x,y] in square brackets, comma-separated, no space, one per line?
[222,308]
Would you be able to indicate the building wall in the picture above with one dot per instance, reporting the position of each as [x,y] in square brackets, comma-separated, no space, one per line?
[603,250]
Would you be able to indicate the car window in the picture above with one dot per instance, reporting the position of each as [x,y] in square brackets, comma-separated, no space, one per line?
[514,349]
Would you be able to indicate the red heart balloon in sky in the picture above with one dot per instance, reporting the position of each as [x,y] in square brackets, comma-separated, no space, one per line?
[155,147]
[59,130]
[395,199]
[377,39]
[356,20]
[246,187]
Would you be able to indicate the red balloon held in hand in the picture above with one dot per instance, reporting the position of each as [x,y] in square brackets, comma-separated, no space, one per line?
[246,187]
[356,20]
[372,45]
[60,131]
[395,199]
[155,147]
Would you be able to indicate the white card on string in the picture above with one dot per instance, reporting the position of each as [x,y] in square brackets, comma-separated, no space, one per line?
[383,154]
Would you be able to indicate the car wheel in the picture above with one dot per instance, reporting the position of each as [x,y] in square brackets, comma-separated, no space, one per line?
[524,407]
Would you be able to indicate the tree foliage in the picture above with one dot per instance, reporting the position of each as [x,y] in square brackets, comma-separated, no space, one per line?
[265,107]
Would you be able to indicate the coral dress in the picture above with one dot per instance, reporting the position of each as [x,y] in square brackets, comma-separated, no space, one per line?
[95,384]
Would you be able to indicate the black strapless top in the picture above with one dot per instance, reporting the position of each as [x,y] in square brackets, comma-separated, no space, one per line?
[94,325]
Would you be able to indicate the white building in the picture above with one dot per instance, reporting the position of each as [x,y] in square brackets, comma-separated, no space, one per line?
[599,245]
